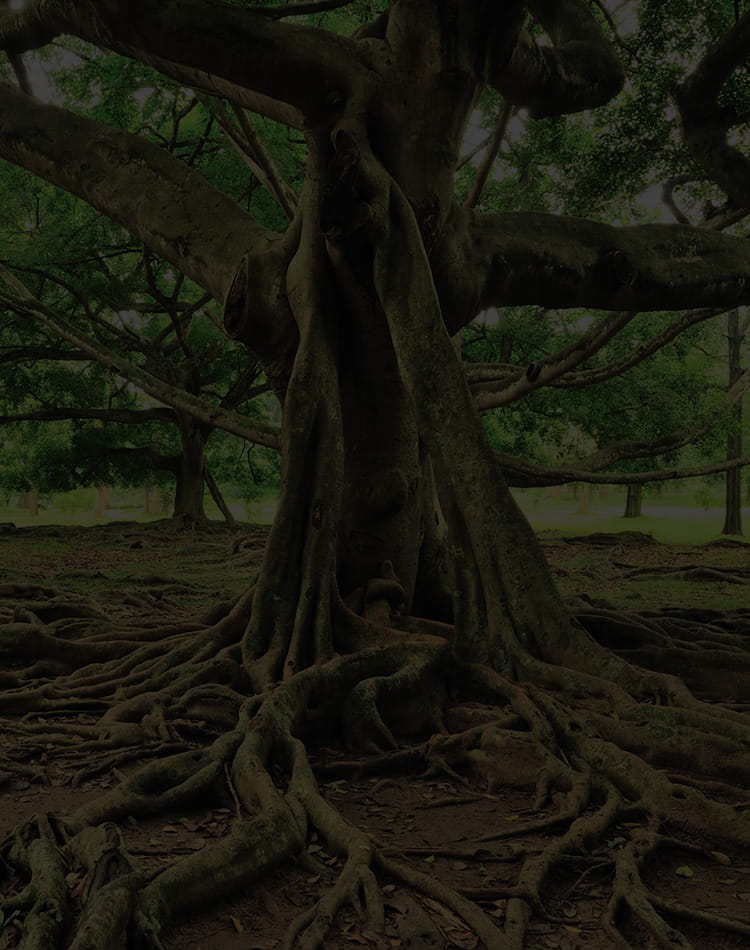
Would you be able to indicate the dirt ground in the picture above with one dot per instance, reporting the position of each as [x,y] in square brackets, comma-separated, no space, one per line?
[442,825]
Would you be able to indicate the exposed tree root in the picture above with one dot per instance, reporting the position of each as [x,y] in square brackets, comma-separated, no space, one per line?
[642,760]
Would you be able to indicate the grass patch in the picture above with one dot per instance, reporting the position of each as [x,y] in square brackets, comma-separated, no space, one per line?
[670,524]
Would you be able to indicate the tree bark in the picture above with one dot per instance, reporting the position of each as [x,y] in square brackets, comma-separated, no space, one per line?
[189,472]
[100,501]
[31,502]
[733,502]
[634,501]
[151,500]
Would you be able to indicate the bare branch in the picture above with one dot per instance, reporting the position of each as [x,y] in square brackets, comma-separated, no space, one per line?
[18,354]
[496,385]
[474,151]
[667,196]
[256,156]
[641,352]
[521,474]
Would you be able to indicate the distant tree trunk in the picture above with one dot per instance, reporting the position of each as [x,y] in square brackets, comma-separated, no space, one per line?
[733,507]
[100,501]
[584,498]
[634,501]
[31,502]
[152,500]
[189,471]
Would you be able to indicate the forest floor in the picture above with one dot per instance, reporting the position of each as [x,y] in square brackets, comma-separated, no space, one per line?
[442,824]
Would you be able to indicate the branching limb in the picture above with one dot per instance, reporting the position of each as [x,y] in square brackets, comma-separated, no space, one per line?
[497,385]
[521,473]
[546,372]
[641,352]
[626,449]
[128,416]
[253,152]
[220,48]
[198,229]
[486,260]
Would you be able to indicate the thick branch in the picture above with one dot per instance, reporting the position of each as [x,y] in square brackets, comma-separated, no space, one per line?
[156,197]
[126,416]
[22,354]
[706,124]
[544,372]
[560,261]
[215,46]
[522,474]
[502,384]
[579,71]
[253,152]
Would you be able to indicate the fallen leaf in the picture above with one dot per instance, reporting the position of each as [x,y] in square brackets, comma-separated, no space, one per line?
[684,871]
[237,924]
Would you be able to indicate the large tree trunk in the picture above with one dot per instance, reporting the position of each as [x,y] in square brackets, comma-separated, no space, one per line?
[378,398]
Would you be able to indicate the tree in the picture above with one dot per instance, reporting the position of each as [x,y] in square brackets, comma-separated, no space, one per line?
[400,580]
[736,331]
[121,298]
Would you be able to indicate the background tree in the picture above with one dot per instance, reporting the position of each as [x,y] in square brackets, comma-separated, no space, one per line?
[736,330]
[123,299]
[391,494]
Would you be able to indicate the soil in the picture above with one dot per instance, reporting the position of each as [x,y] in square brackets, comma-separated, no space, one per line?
[442,825]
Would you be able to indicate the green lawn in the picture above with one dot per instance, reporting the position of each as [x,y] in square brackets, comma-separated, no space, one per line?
[678,518]
[669,523]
